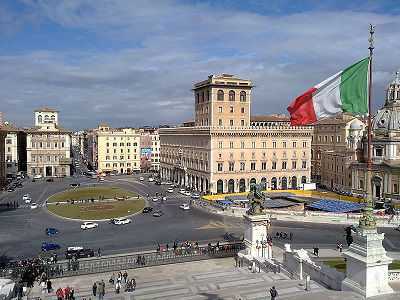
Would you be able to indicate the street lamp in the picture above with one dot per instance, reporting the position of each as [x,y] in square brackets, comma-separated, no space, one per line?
[258,247]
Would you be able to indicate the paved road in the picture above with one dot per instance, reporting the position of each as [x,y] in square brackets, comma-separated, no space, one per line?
[22,230]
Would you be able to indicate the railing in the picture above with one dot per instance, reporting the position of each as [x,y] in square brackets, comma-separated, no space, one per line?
[394,275]
[131,261]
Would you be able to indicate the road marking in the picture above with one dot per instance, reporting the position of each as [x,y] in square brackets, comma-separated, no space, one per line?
[219,224]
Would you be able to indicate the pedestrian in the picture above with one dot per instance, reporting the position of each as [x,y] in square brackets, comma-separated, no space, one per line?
[67,291]
[71,295]
[291,236]
[316,250]
[49,286]
[167,247]
[112,279]
[94,288]
[273,292]
[341,247]
[60,294]
[134,284]
[102,289]
[117,287]
[337,247]
[125,276]
[99,253]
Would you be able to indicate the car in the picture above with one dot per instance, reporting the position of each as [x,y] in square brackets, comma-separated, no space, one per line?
[46,246]
[10,189]
[187,193]
[34,205]
[141,178]
[168,183]
[75,184]
[170,190]
[101,178]
[151,179]
[158,213]
[76,248]
[195,196]
[89,225]
[37,176]
[184,206]
[50,179]
[147,210]
[122,221]
[26,197]
[182,191]
[51,231]
[78,253]
[155,199]
[157,182]
[18,185]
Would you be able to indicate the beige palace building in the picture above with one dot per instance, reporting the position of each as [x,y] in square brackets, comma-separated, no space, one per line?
[118,150]
[222,152]
[48,145]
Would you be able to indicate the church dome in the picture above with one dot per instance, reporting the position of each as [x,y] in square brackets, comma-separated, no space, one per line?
[355,126]
[388,117]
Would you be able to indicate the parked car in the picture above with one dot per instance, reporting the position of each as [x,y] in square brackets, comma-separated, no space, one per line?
[27,198]
[122,221]
[34,205]
[158,213]
[141,178]
[151,179]
[187,193]
[10,189]
[75,184]
[89,225]
[51,231]
[155,199]
[78,253]
[195,196]
[46,246]
[184,206]
[182,191]
[170,190]
[147,210]
[37,176]
[168,183]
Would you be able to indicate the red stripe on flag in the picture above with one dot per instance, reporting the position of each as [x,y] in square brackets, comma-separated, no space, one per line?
[302,109]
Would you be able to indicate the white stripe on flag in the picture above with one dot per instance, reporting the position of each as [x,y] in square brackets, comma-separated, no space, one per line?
[326,98]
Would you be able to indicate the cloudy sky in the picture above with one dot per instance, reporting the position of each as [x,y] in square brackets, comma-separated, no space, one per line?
[133,62]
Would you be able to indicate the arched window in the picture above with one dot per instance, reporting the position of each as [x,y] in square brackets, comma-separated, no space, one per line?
[220,186]
[231,186]
[220,95]
[284,183]
[274,183]
[294,182]
[303,179]
[263,183]
[243,96]
[253,181]
[53,117]
[46,117]
[40,120]
[231,95]
[242,185]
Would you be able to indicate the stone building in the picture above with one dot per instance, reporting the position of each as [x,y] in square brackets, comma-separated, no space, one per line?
[3,135]
[118,150]
[336,143]
[385,156]
[15,150]
[48,145]
[155,151]
[223,153]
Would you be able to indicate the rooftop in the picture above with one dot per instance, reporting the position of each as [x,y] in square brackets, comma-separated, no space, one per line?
[46,109]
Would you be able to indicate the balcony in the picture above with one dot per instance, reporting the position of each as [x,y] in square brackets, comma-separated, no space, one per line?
[65,161]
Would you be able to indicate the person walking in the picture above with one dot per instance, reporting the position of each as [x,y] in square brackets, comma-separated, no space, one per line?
[273,292]
[60,294]
[94,288]
[118,287]
[112,279]
[99,253]
[125,276]
[49,286]
[102,289]
[134,284]
[67,291]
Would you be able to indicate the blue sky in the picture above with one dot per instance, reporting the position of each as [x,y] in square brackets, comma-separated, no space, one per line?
[132,63]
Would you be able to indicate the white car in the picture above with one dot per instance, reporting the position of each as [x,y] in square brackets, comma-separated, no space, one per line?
[89,225]
[122,221]
[195,196]
[155,199]
[101,178]
[170,190]
[34,206]
[141,178]
[37,176]
[74,248]
[184,207]
[27,198]
[168,183]
[187,193]
[182,191]
[151,179]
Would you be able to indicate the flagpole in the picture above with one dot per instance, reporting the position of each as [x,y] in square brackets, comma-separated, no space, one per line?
[367,221]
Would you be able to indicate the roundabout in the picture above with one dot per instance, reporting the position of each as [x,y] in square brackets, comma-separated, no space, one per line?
[95,203]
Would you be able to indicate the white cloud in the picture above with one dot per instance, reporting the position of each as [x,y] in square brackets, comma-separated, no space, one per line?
[159,50]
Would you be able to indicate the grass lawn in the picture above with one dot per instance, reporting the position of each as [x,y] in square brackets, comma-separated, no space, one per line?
[90,192]
[97,210]
[340,265]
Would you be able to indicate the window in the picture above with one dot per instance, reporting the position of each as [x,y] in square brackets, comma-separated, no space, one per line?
[273,166]
[219,155]
[121,157]
[48,144]
[243,96]
[33,158]
[326,138]
[242,166]
[294,144]
[263,165]
[304,144]
[33,145]
[220,109]
[40,145]
[253,144]
[263,154]
[331,138]
[253,155]
[253,166]
[231,109]
[202,96]
[219,122]
[220,95]
[231,167]
[231,95]
[230,144]
[294,165]
[55,157]
[242,122]
[121,144]
[8,141]
[284,165]
[338,139]
[62,144]
[40,157]
[40,119]
[304,165]
[284,144]
[242,145]
[274,144]
[284,154]
[378,151]
[231,122]
[220,145]
[242,110]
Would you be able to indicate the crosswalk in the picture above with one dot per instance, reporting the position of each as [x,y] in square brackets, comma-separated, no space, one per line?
[218,224]
[25,206]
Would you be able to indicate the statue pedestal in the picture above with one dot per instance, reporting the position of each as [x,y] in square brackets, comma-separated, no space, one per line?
[367,265]
[255,235]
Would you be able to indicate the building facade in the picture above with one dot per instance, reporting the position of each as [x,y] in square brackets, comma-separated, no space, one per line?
[228,155]
[155,151]
[48,146]
[336,143]
[385,156]
[3,135]
[15,150]
[118,150]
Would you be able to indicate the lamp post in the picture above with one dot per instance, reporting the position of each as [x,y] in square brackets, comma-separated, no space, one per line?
[258,247]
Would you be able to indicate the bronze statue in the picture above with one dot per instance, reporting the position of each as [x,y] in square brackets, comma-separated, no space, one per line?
[256,200]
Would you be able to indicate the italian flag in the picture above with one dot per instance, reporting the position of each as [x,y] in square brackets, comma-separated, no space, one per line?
[345,91]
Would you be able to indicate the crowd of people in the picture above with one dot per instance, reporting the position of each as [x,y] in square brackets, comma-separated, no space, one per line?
[284,236]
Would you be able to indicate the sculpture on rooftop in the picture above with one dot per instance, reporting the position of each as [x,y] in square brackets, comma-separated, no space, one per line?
[256,200]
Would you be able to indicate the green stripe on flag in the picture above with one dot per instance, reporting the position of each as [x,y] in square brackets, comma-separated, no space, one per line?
[353,88]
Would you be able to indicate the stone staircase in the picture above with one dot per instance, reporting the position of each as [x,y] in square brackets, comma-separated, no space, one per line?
[230,283]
